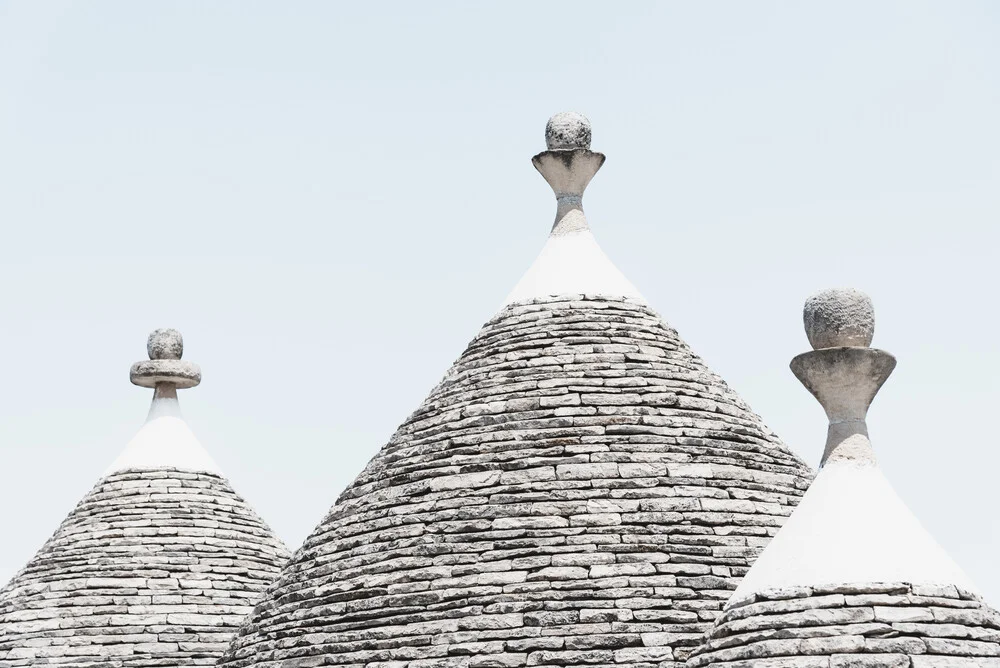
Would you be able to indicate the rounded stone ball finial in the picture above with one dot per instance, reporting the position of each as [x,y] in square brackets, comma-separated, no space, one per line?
[566,131]
[165,344]
[841,317]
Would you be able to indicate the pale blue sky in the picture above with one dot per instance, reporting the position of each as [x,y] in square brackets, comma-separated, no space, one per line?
[329,199]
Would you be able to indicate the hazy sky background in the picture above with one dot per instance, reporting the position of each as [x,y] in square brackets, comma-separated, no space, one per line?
[328,199]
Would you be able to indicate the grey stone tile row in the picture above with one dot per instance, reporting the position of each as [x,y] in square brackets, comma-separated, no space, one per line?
[885,625]
[152,568]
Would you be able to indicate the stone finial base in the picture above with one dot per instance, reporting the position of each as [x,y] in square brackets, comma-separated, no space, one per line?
[179,373]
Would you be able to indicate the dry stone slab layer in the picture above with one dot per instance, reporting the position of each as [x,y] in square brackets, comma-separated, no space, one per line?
[152,568]
[870,625]
[579,490]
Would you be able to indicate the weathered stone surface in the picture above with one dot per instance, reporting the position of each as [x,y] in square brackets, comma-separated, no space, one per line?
[889,625]
[152,568]
[839,317]
[543,506]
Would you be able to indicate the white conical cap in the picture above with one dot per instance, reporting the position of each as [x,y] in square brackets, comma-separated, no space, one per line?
[851,527]
[165,442]
[156,565]
[572,264]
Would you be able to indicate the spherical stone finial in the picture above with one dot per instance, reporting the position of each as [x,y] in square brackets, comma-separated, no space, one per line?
[165,344]
[841,317]
[566,131]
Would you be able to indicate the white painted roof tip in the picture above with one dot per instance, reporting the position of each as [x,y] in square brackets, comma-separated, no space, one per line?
[851,527]
[165,441]
[840,317]
[572,264]
[567,130]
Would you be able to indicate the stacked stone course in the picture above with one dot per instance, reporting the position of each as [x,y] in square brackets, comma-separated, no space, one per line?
[872,625]
[580,489]
[152,568]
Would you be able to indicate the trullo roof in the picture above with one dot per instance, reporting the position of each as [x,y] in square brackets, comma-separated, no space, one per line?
[852,579]
[157,565]
[579,489]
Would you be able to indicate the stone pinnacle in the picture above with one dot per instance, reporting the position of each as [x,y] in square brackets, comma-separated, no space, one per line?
[165,367]
[568,166]
[842,372]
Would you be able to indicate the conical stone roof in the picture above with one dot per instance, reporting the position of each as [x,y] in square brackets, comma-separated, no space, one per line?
[579,489]
[852,579]
[160,561]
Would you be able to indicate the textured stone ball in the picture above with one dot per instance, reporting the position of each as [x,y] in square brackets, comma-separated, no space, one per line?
[842,317]
[165,344]
[567,130]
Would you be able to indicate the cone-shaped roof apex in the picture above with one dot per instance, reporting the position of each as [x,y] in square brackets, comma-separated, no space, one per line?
[579,488]
[850,526]
[852,579]
[157,564]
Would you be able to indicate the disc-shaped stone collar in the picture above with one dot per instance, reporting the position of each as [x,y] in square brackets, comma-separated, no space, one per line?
[179,373]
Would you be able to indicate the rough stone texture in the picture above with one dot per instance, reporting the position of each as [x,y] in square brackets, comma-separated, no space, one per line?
[165,344]
[839,317]
[179,373]
[152,568]
[845,381]
[568,172]
[567,130]
[863,626]
[579,490]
